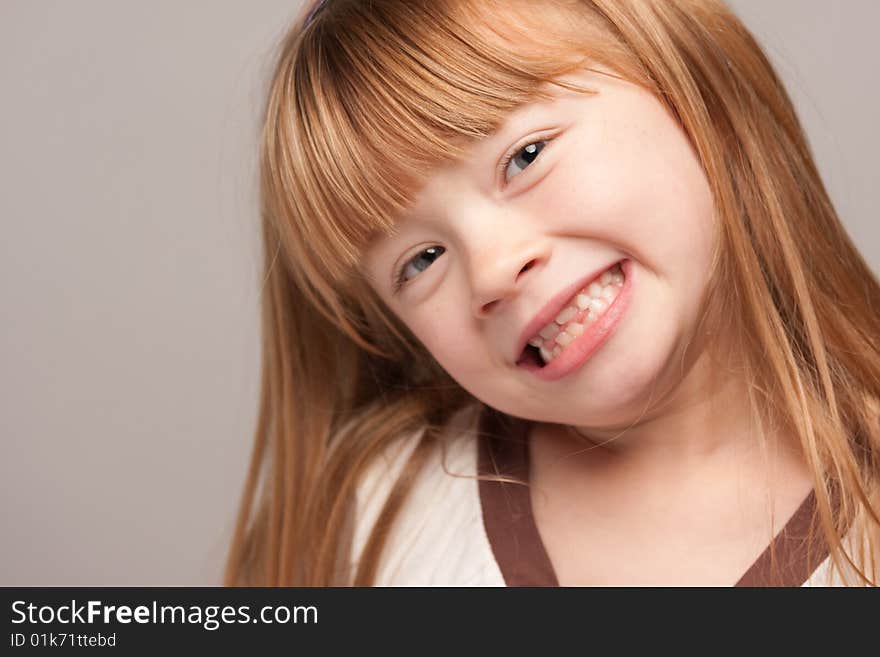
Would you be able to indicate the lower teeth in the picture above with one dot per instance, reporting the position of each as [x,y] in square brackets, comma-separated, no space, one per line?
[545,356]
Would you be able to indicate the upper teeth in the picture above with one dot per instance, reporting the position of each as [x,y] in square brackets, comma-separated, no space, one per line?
[584,308]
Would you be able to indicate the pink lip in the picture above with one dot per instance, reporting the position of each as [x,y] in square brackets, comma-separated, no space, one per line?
[552,308]
[582,347]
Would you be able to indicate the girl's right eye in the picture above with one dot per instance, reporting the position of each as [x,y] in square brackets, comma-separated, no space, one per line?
[416,265]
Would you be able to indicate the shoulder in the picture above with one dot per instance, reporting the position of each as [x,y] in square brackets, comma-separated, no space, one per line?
[438,538]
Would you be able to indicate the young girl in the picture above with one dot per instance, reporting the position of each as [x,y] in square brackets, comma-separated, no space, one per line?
[554,295]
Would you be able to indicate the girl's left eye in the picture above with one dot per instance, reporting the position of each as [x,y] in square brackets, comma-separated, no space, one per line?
[416,264]
[519,160]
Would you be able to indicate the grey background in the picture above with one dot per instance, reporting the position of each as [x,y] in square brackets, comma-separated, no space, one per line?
[129,262]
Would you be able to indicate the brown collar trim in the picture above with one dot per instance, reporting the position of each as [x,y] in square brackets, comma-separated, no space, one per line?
[507,508]
[791,558]
[503,449]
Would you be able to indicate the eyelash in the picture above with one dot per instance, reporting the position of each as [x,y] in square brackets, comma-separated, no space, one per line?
[399,281]
[505,162]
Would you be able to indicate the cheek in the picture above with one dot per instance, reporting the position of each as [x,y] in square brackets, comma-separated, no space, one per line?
[431,334]
[638,185]
[458,348]
[443,328]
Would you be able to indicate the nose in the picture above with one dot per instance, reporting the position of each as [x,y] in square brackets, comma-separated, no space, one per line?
[499,271]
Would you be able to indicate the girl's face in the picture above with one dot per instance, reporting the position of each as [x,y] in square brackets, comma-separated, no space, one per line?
[490,257]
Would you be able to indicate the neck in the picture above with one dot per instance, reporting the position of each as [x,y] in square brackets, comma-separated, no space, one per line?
[697,448]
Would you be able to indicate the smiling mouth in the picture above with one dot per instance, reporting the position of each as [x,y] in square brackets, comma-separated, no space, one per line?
[581,312]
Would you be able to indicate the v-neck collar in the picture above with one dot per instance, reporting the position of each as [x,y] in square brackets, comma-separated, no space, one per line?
[503,449]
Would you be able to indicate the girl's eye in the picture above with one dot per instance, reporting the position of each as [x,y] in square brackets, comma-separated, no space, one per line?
[413,266]
[519,160]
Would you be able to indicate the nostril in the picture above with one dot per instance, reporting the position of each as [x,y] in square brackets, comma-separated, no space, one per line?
[527,266]
[487,307]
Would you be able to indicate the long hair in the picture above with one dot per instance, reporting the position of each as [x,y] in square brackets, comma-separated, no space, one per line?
[369,97]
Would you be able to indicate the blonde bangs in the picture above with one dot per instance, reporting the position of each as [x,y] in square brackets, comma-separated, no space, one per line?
[373,96]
